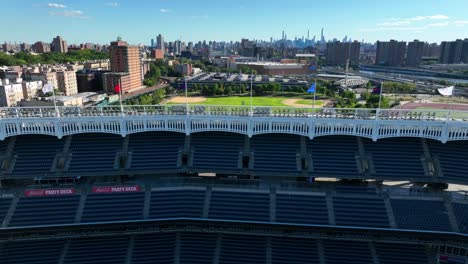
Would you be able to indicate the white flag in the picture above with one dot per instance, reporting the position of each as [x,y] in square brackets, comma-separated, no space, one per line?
[447,91]
[48,88]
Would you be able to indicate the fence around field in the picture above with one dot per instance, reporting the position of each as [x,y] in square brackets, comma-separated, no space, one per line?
[240,111]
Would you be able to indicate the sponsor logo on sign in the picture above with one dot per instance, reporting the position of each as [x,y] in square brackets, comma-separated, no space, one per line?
[116,189]
[49,192]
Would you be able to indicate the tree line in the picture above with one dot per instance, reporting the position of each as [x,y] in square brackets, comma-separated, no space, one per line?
[25,58]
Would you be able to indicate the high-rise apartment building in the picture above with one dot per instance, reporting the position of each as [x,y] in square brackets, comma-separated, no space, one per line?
[414,53]
[431,50]
[125,60]
[247,48]
[177,47]
[337,53]
[454,51]
[41,47]
[59,45]
[160,43]
[67,82]
[390,53]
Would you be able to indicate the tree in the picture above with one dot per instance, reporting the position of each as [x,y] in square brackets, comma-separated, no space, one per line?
[365,96]
[373,102]
[228,90]
[149,82]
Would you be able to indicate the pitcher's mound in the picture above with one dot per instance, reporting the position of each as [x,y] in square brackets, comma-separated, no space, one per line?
[182,100]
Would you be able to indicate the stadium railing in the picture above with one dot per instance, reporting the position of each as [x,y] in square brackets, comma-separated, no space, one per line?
[240,111]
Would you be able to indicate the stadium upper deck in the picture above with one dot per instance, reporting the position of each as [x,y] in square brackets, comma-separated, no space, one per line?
[370,123]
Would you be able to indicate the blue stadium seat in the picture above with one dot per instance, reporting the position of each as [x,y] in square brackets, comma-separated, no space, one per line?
[360,211]
[4,206]
[236,249]
[240,206]
[453,157]
[31,252]
[155,151]
[351,189]
[396,158]
[339,252]
[420,214]
[154,248]
[4,146]
[461,213]
[197,248]
[113,207]
[294,251]
[35,154]
[275,153]
[45,211]
[334,156]
[301,209]
[216,151]
[401,254]
[177,203]
[112,250]
[94,153]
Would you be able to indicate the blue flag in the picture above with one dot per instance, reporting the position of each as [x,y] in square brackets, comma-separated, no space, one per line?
[311,89]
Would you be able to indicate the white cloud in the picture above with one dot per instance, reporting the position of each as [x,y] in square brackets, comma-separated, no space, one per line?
[55,5]
[434,17]
[442,24]
[391,29]
[461,23]
[70,13]
[163,10]
[415,24]
[397,23]
[438,17]
[112,4]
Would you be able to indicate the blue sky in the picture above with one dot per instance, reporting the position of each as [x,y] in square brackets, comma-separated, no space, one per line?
[137,21]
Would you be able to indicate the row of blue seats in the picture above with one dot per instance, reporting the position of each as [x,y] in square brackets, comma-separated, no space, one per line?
[355,210]
[201,248]
[333,156]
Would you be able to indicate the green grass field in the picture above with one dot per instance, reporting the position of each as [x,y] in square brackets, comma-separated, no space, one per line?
[244,100]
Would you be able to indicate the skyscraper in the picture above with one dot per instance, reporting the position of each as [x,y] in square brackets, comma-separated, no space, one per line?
[322,38]
[59,45]
[414,53]
[152,43]
[125,66]
[390,53]
[160,43]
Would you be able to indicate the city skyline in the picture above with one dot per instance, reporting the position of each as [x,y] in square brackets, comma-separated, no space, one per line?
[101,21]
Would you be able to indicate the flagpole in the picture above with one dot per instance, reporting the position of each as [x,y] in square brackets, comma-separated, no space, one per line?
[186,96]
[315,93]
[380,96]
[251,92]
[120,96]
[55,103]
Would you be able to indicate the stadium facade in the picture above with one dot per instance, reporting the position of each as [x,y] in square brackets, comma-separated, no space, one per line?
[114,185]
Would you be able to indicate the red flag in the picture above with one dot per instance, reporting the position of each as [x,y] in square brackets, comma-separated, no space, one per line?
[117,88]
